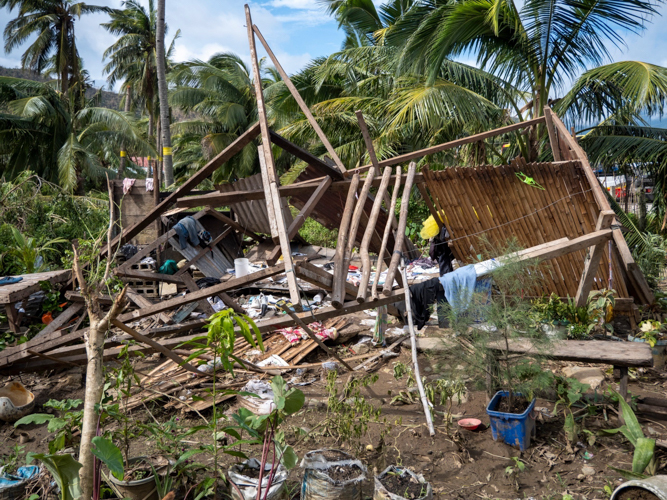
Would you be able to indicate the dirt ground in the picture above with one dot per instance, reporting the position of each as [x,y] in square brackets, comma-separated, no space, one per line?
[460,464]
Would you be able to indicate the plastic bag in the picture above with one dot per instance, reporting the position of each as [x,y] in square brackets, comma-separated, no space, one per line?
[381,492]
[248,485]
[318,485]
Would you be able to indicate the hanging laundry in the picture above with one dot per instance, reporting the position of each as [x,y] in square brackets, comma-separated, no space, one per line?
[440,251]
[149,184]
[423,295]
[127,185]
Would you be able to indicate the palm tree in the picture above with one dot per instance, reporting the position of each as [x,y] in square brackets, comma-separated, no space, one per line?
[132,58]
[42,129]
[162,89]
[538,48]
[52,22]
[218,97]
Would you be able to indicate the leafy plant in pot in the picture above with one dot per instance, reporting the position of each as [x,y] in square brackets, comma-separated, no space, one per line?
[507,320]
[277,456]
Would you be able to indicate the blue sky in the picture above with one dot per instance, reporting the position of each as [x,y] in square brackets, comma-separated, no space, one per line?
[297,30]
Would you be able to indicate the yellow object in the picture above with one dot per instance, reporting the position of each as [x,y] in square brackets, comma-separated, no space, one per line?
[149,158]
[123,154]
[159,158]
[430,228]
[166,151]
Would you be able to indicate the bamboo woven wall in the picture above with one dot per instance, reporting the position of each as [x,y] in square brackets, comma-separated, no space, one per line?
[493,203]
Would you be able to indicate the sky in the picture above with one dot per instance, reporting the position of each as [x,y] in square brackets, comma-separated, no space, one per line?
[297,31]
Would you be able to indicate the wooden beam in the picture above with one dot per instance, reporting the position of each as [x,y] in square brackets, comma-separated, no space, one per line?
[553,139]
[273,200]
[61,320]
[319,277]
[299,220]
[382,255]
[449,145]
[146,275]
[306,187]
[402,221]
[340,274]
[322,166]
[224,156]
[166,305]
[296,95]
[141,302]
[230,222]
[192,286]
[159,348]
[592,262]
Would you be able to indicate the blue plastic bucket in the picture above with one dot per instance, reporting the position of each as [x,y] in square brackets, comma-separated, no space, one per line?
[511,428]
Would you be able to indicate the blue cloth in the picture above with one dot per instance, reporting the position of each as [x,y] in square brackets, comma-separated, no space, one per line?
[186,230]
[8,280]
[459,287]
[22,474]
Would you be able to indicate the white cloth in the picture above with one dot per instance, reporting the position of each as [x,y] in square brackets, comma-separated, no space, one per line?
[127,185]
[149,184]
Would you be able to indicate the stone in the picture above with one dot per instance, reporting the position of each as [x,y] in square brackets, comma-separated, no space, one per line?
[71,379]
[587,470]
[585,374]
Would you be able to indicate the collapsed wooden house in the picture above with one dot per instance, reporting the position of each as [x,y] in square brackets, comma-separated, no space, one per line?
[569,225]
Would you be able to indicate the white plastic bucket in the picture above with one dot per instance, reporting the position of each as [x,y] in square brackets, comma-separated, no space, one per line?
[241,267]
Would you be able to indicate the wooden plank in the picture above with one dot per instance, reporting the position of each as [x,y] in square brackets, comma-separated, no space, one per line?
[30,284]
[340,273]
[145,275]
[415,155]
[319,277]
[225,155]
[159,348]
[299,220]
[584,351]
[13,318]
[295,94]
[230,222]
[402,221]
[592,263]
[370,229]
[61,320]
[192,286]
[142,302]
[166,305]
[322,166]
[382,254]
[553,140]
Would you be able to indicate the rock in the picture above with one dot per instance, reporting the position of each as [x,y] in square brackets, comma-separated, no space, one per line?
[71,379]
[586,375]
[587,470]
[369,447]
[362,348]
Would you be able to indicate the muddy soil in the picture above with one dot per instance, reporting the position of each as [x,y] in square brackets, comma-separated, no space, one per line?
[403,485]
[636,494]
[517,406]
[460,465]
[343,473]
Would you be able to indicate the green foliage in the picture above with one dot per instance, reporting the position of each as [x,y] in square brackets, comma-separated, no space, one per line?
[10,461]
[316,234]
[109,454]
[550,310]
[643,459]
[349,414]
[570,391]
[65,471]
[61,427]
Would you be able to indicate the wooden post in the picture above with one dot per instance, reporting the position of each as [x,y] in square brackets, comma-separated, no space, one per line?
[266,184]
[385,236]
[413,342]
[294,92]
[400,232]
[269,169]
[370,229]
[299,220]
[592,263]
[553,139]
[340,273]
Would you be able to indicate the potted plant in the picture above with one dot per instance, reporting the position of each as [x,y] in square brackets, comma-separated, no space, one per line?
[651,332]
[507,320]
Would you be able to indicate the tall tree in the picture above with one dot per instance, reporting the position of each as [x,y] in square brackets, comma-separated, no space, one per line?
[539,47]
[52,23]
[163,92]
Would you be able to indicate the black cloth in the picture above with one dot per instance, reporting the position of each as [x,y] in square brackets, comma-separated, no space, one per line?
[440,251]
[422,296]
[207,282]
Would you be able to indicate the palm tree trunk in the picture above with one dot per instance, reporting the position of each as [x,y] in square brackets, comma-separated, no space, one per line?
[162,91]
[151,126]
[123,151]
